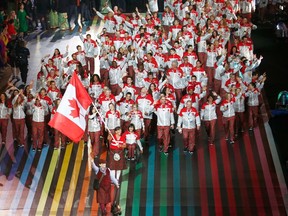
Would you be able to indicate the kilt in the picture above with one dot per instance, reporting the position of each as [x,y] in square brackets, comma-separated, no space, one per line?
[116,165]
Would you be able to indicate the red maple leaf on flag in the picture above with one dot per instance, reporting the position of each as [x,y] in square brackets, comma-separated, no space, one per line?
[75,112]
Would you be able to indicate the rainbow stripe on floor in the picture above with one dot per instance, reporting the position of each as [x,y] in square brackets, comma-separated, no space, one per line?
[224,179]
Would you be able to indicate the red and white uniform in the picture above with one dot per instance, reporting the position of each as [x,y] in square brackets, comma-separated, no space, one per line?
[131,89]
[175,78]
[145,105]
[188,118]
[208,111]
[95,89]
[112,119]
[227,108]
[200,75]
[164,114]
[81,57]
[136,118]
[132,138]
[104,101]
[54,93]
[125,106]
[187,69]
[192,57]
[173,31]
[90,47]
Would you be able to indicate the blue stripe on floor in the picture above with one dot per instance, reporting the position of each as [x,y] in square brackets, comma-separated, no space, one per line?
[150,180]
[35,181]
[189,183]
[176,182]
[21,184]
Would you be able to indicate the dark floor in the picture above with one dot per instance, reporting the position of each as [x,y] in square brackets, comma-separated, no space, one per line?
[275,64]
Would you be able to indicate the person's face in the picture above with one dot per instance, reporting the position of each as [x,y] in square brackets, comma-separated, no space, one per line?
[95,78]
[42,92]
[163,100]
[37,102]
[128,97]
[131,129]
[143,91]
[2,97]
[228,97]
[88,37]
[210,99]
[134,108]
[50,62]
[114,64]
[198,64]
[16,92]
[118,132]
[111,107]
[102,166]
[74,57]
[56,51]
[108,93]
[79,48]
[93,110]
[129,80]
[193,79]
[189,104]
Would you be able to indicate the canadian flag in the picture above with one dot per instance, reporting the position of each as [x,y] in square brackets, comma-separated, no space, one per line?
[70,115]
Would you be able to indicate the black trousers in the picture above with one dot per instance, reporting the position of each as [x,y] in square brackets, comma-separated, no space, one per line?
[24,72]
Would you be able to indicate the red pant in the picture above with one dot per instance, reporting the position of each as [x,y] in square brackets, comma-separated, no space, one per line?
[210,74]
[147,124]
[19,130]
[3,129]
[95,142]
[202,57]
[179,95]
[239,121]
[131,73]
[210,129]
[46,128]
[131,150]
[104,75]
[115,89]
[124,125]
[163,137]
[138,90]
[90,65]
[253,116]
[228,123]
[57,136]
[38,134]
[28,121]
[217,86]
[189,138]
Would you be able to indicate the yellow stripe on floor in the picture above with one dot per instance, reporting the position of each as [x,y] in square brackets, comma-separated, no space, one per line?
[61,180]
[74,179]
[47,183]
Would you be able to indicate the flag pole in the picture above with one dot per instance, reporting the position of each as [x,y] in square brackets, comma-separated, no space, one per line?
[102,119]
